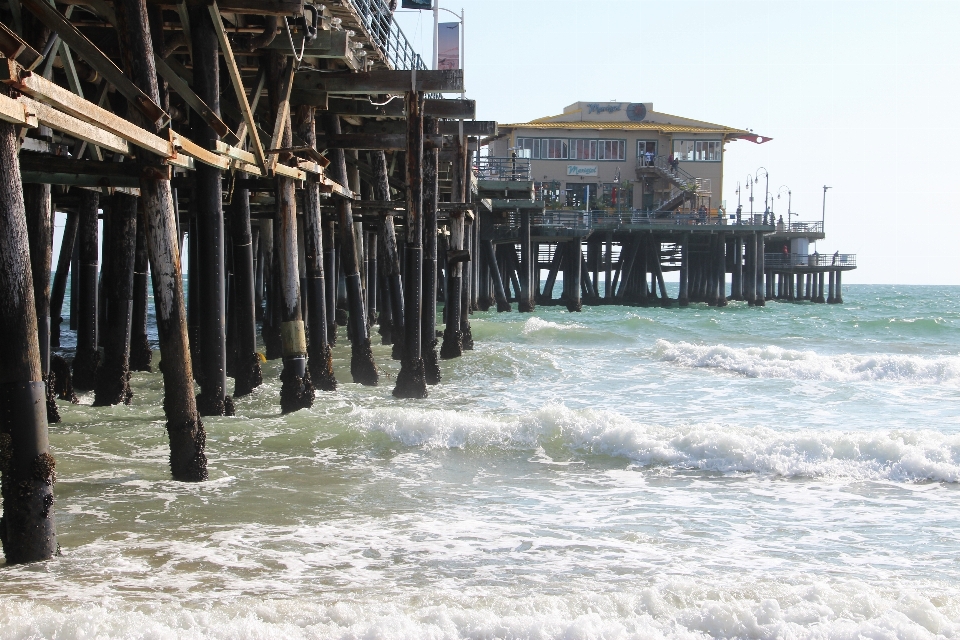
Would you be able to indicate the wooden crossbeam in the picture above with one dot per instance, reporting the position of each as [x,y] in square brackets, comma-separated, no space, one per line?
[258,85]
[12,46]
[445,127]
[367,141]
[386,81]
[254,7]
[460,108]
[195,151]
[327,44]
[180,85]
[41,163]
[52,94]
[234,71]
[55,119]
[94,57]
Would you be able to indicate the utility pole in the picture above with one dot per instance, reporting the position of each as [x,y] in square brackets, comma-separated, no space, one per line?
[823,217]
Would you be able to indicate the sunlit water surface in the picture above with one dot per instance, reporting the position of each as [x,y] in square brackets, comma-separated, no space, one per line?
[790,471]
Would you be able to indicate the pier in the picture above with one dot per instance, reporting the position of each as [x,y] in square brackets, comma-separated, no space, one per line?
[308,164]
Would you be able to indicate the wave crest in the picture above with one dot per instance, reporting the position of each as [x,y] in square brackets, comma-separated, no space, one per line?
[776,362]
[901,456]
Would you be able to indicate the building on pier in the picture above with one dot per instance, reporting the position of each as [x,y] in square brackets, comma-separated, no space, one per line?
[617,156]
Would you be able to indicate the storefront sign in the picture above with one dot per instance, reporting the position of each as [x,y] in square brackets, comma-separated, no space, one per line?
[594,107]
[582,170]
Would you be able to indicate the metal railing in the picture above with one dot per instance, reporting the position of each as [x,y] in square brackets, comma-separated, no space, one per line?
[789,260]
[603,219]
[386,36]
[801,227]
[509,169]
[691,182]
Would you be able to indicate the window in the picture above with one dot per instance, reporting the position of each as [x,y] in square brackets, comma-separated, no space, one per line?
[683,150]
[611,149]
[698,150]
[583,149]
[525,147]
[708,150]
[646,146]
[553,149]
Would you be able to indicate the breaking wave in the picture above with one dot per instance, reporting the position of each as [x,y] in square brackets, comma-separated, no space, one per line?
[901,456]
[776,362]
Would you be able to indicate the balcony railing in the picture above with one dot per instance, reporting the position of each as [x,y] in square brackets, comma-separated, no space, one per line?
[801,227]
[506,169]
[790,260]
[385,35]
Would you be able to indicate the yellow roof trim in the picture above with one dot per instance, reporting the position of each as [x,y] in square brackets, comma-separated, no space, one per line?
[628,126]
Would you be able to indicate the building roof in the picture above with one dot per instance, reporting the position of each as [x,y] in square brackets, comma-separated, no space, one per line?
[613,117]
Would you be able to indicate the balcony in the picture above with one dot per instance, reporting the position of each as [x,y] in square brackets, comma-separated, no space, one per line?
[809,261]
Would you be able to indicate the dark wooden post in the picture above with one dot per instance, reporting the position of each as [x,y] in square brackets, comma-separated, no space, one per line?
[721,269]
[27,529]
[410,381]
[59,290]
[247,372]
[525,297]
[184,427]
[683,299]
[832,291]
[113,380]
[330,276]
[608,266]
[207,206]
[736,287]
[391,257]
[555,266]
[39,210]
[466,285]
[573,274]
[750,273]
[140,353]
[431,199]
[759,300]
[362,366]
[453,334]
[320,354]
[87,359]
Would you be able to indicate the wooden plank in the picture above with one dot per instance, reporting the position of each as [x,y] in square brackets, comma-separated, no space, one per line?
[197,152]
[78,179]
[41,163]
[95,58]
[470,128]
[364,108]
[17,112]
[12,46]
[289,172]
[233,152]
[385,81]
[237,81]
[47,92]
[367,141]
[327,44]
[55,119]
[459,108]
[179,85]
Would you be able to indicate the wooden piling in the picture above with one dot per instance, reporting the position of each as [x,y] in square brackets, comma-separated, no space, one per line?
[759,300]
[141,355]
[87,358]
[391,256]
[410,381]
[184,427]
[320,353]
[525,301]
[27,528]
[466,280]
[832,295]
[59,289]
[838,294]
[113,379]
[721,269]
[247,372]
[572,274]
[683,299]
[453,334]
[431,199]
[39,210]
[207,207]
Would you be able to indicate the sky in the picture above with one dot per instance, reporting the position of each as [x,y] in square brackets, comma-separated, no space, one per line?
[855,95]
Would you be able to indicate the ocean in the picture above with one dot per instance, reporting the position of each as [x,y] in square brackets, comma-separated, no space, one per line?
[791,471]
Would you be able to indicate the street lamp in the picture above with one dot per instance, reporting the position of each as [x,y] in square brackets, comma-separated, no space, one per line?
[823,219]
[436,33]
[766,197]
[789,202]
[750,183]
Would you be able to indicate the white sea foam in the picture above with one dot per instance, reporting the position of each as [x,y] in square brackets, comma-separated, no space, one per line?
[775,362]
[535,324]
[902,456]
[672,608]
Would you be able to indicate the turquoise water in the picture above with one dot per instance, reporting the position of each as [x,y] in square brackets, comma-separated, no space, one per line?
[788,471]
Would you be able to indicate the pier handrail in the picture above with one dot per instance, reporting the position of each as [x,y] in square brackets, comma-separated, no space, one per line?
[788,260]
[605,219]
[386,36]
[508,169]
[801,227]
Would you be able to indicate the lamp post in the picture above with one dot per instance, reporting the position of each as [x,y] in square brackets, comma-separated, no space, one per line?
[436,33]
[766,197]
[750,183]
[823,218]
[789,202]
